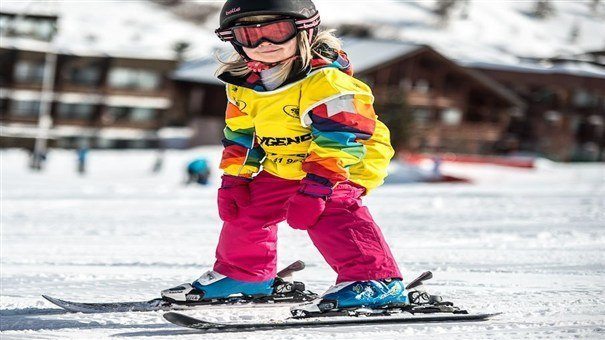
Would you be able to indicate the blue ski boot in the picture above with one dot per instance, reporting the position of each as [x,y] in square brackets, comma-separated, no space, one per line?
[374,293]
[213,285]
[358,294]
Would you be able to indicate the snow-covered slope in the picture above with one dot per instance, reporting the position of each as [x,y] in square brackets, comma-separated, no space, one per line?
[528,243]
[489,31]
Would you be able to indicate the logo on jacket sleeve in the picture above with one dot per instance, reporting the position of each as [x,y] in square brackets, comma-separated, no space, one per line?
[291,110]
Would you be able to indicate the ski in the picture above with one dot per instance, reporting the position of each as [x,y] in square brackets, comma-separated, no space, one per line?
[422,308]
[407,318]
[285,293]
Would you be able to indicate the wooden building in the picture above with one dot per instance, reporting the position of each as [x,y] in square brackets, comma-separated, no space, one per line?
[565,114]
[447,107]
[97,99]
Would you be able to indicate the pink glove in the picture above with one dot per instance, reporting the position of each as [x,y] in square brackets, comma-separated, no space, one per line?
[233,194]
[305,207]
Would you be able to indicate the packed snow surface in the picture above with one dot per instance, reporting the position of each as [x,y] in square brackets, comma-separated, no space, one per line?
[528,243]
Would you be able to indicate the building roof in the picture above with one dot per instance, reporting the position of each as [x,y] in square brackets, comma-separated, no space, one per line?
[366,54]
[198,71]
[572,68]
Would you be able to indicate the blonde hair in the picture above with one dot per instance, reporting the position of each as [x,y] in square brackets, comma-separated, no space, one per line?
[236,65]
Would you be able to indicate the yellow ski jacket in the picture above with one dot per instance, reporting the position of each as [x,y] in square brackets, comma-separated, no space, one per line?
[321,126]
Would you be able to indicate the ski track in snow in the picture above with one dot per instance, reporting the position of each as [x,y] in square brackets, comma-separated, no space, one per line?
[528,243]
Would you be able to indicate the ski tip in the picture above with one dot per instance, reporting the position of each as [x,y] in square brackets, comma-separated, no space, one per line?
[51,299]
[57,302]
[179,319]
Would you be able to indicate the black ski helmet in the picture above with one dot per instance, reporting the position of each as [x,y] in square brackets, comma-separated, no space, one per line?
[303,11]
[235,9]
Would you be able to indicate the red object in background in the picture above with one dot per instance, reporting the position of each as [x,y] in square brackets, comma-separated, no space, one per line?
[516,162]
[452,179]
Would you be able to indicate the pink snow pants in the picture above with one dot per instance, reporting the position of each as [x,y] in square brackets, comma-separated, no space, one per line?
[346,235]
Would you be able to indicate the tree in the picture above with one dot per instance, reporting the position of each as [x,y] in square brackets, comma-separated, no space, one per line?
[180,47]
[543,9]
[574,33]
[443,9]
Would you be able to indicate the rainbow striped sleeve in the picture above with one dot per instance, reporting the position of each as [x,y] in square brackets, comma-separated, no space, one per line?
[338,126]
[242,155]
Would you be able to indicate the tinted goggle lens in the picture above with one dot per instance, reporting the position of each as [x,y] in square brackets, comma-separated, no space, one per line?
[275,32]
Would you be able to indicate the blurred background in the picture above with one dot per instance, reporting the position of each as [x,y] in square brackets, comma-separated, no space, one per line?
[457,79]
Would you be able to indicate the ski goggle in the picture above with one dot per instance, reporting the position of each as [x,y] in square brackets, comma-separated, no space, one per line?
[275,31]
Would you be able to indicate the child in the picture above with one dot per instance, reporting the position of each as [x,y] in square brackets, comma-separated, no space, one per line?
[294,109]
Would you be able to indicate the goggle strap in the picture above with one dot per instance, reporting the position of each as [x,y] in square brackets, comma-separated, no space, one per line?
[305,24]
[308,23]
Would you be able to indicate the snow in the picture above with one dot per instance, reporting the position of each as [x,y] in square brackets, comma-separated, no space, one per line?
[528,243]
[491,31]
[494,31]
[570,68]
[129,29]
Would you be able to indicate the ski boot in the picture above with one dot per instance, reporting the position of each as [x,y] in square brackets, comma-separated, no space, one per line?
[213,285]
[353,296]
[376,297]
[215,288]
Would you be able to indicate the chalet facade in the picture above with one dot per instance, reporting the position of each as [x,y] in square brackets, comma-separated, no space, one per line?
[565,115]
[96,99]
[445,107]
[450,108]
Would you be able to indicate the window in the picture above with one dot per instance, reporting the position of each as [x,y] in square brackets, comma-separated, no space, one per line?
[552,116]
[25,108]
[422,86]
[544,96]
[103,143]
[196,100]
[141,114]
[82,73]
[137,144]
[130,78]
[582,98]
[405,84]
[20,26]
[115,114]
[3,108]
[421,115]
[5,23]
[75,111]
[44,29]
[27,71]
[7,68]
[451,116]
[132,114]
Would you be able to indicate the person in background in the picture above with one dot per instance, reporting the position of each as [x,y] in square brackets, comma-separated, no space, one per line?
[198,171]
[82,156]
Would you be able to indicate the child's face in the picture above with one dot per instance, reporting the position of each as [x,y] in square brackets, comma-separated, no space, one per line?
[268,52]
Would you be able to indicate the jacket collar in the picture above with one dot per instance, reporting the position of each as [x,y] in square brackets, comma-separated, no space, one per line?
[332,58]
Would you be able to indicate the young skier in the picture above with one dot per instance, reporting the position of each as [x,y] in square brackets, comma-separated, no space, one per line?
[295,110]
